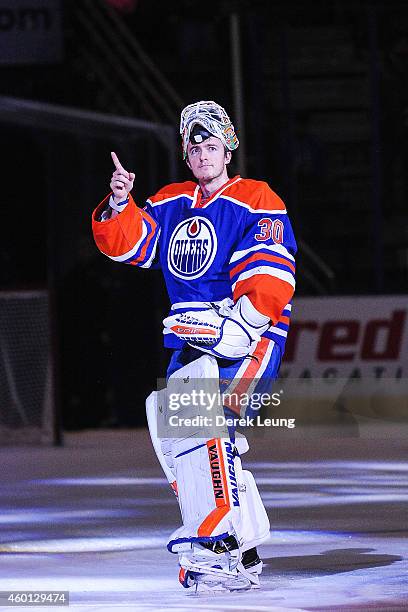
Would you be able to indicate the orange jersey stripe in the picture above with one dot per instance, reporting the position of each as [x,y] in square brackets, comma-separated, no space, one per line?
[268,294]
[264,257]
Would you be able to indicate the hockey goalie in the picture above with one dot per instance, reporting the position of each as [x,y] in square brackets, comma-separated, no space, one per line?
[226,249]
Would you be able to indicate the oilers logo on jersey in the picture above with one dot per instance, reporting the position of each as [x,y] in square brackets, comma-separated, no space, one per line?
[192,248]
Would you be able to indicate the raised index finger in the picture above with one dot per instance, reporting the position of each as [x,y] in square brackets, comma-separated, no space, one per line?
[117,163]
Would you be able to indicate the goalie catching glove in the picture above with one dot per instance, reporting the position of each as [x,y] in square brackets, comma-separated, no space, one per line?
[224,330]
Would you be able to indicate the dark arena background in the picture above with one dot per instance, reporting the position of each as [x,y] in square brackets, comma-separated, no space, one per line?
[318,92]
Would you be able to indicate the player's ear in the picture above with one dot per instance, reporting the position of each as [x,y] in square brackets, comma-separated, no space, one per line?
[228,156]
[188,163]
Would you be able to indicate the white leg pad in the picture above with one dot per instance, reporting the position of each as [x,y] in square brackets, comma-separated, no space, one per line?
[217,498]
[162,447]
[203,460]
[255,521]
[208,492]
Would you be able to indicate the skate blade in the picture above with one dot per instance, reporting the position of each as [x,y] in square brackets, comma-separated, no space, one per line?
[208,583]
[207,570]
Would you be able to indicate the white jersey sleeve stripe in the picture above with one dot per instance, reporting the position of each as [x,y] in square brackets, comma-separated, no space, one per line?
[270,271]
[178,305]
[275,248]
[278,331]
[148,263]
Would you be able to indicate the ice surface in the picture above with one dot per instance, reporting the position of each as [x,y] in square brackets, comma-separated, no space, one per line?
[93,518]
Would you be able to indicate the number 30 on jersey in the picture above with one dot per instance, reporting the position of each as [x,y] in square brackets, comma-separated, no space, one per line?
[270,230]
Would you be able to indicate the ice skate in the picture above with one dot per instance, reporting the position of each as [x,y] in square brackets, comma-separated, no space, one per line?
[212,579]
[218,567]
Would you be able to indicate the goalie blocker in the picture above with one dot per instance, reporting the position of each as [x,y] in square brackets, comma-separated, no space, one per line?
[222,512]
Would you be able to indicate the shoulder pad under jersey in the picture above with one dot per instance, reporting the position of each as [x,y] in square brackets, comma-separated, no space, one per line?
[173,191]
[255,195]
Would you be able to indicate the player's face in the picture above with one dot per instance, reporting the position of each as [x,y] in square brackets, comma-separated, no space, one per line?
[208,159]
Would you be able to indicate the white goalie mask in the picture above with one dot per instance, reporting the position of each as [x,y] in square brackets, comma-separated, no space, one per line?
[213,118]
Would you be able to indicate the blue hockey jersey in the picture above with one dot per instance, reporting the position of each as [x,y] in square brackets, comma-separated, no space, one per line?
[239,241]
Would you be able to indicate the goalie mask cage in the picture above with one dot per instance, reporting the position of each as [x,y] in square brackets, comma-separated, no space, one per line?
[26,385]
